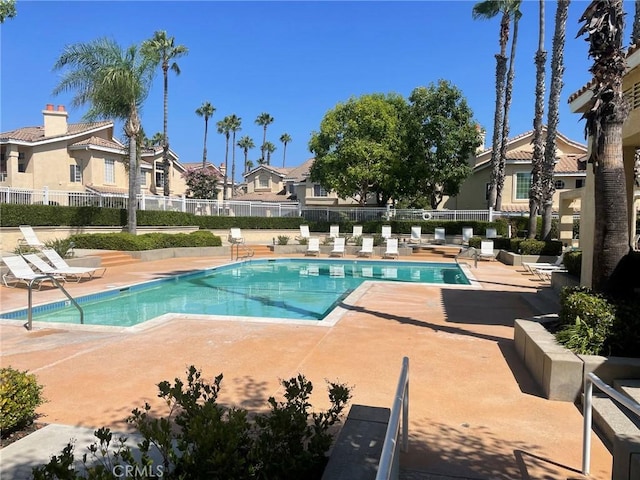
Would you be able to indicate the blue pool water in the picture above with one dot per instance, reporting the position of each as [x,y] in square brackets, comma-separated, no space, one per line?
[284,288]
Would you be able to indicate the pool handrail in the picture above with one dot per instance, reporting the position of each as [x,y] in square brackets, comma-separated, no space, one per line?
[388,457]
[590,380]
[29,324]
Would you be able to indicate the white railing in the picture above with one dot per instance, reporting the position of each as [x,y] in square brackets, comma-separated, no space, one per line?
[389,459]
[363,214]
[591,380]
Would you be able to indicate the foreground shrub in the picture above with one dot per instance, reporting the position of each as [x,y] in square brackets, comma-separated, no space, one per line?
[201,439]
[20,396]
[573,262]
[147,241]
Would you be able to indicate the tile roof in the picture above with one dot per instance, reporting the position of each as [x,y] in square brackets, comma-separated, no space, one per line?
[281,196]
[36,134]
[277,170]
[571,164]
[98,142]
[102,189]
[301,172]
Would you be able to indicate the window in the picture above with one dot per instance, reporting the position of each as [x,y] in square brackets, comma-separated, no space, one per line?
[3,168]
[318,191]
[75,173]
[559,184]
[109,170]
[579,182]
[159,178]
[523,184]
[22,165]
[263,181]
[143,178]
[487,189]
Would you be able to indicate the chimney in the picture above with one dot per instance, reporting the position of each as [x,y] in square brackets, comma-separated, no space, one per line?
[222,169]
[55,121]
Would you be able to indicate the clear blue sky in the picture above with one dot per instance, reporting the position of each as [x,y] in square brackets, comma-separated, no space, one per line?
[294,60]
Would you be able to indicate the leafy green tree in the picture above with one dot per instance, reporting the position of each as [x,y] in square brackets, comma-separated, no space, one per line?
[201,183]
[114,82]
[358,143]
[235,125]
[264,120]
[485,10]
[7,9]
[535,191]
[163,50]
[604,26]
[441,137]
[285,138]
[246,144]
[224,127]
[205,110]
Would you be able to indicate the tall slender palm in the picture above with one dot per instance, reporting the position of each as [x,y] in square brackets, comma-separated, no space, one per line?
[557,72]
[485,10]
[516,14]
[264,120]
[205,110]
[224,127]
[535,192]
[235,125]
[269,148]
[114,82]
[604,26]
[285,138]
[246,143]
[635,30]
[157,139]
[164,50]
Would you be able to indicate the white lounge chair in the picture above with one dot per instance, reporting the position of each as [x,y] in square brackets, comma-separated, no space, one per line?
[235,236]
[416,235]
[486,250]
[62,266]
[21,272]
[392,249]
[439,235]
[467,234]
[304,233]
[29,238]
[334,231]
[357,231]
[491,233]
[531,267]
[367,247]
[386,231]
[338,247]
[313,246]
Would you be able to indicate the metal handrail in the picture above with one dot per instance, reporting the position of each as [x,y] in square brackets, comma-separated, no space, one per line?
[400,406]
[248,251]
[40,278]
[591,380]
[474,252]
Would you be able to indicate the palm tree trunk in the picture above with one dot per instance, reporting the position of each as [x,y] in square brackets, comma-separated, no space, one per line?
[165,143]
[264,141]
[635,31]
[233,165]
[505,118]
[535,193]
[284,154]
[204,150]
[226,168]
[132,128]
[501,69]
[557,72]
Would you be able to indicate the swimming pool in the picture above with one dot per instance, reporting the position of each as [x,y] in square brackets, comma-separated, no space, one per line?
[298,289]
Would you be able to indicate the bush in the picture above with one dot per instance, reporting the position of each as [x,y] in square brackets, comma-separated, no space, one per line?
[20,396]
[573,262]
[540,247]
[61,245]
[283,239]
[202,439]
[147,241]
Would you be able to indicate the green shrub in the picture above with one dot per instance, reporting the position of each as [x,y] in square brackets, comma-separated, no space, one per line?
[20,396]
[203,439]
[573,262]
[283,239]
[303,240]
[624,340]
[147,241]
[582,338]
[63,246]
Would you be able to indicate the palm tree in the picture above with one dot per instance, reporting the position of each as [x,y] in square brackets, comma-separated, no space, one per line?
[114,82]
[163,50]
[635,31]
[485,10]
[285,138]
[535,192]
[246,143]
[269,148]
[264,119]
[557,72]
[224,127]
[205,110]
[516,14]
[235,125]
[604,24]
[157,139]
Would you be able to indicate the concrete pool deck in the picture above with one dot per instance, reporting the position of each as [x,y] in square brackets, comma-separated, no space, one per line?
[475,411]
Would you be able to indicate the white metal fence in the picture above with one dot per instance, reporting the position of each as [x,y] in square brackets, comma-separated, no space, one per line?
[236,207]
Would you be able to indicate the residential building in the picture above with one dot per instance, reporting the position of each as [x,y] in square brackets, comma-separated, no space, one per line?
[82,157]
[569,173]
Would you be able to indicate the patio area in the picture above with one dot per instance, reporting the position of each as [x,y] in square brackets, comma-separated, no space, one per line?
[474,410]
